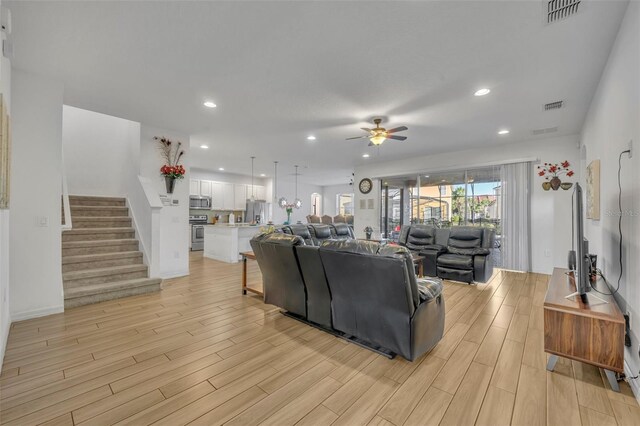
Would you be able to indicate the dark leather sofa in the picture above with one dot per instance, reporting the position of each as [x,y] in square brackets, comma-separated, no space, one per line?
[461,253]
[358,290]
[315,233]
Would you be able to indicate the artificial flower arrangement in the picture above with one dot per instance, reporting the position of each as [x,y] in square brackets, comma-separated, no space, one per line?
[172,153]
[552,172]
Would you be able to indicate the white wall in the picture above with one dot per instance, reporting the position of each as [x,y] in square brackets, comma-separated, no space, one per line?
[36,269]
[613,120]
[329,194]
[5,317]
[101,152]
[174,220]
[287,189]
[551,210]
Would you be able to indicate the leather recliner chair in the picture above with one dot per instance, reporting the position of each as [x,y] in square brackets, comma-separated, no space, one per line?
[376,298]
[427,241]
[461,253]
[319,232]
[299,230]
[468,256]
[282,280]
[342,231]
[315,280]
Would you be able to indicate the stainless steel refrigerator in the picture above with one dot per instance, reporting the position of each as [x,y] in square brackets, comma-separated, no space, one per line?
[256,211]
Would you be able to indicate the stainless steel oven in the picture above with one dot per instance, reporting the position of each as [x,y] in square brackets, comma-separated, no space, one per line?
[199,203]
[197,231]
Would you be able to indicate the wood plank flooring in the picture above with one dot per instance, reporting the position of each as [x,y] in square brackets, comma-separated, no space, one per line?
[201,353]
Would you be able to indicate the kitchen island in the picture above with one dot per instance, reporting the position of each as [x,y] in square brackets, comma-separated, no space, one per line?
[224,242]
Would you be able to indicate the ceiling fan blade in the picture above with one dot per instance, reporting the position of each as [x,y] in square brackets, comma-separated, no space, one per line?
[398,129]
[357,137]
[398,138]
[366,130]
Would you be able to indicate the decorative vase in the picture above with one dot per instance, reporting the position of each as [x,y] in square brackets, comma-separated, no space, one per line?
[566,185]
[555,183]
[170,183]
[288,218]
[546,186]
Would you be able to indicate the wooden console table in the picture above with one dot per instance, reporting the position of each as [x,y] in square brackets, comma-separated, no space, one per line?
[592,332]
[247,255]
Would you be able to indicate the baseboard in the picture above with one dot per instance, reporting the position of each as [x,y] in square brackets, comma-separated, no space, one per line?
[5,338]
[42,312]
[633,383]
[174,274]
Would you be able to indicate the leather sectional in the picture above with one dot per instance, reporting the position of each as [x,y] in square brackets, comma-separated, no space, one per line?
[461,253]
[358,290]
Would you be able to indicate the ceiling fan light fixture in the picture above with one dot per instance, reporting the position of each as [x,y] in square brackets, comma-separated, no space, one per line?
[377,140]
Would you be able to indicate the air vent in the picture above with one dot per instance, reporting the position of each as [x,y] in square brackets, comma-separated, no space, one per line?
[561,9]
[538,132]
[553,105]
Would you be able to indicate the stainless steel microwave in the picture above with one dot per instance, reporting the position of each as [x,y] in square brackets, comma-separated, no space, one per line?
[199,203]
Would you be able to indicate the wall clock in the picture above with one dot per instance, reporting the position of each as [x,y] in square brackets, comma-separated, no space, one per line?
[365,185]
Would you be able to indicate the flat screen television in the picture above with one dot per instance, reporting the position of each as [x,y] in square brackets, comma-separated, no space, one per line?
[579,256]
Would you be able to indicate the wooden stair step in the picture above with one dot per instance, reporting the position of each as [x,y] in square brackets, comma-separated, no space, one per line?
[88,200]
[78,248]
[99,211]
[100,260]
[85,222]
[103,275]
[108,291]
[98,234]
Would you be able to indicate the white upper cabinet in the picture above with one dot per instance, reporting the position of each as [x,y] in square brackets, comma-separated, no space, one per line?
[217,196]
[258,192]
[240,196]
[228,196]
[194,187]
[205,188]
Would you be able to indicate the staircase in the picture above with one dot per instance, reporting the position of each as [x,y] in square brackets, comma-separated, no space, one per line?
[100,256]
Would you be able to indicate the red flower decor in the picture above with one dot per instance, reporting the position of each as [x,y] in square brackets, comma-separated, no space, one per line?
[552,170]
[172,153]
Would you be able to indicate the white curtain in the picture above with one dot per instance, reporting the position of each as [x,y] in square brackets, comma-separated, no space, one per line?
[516,224]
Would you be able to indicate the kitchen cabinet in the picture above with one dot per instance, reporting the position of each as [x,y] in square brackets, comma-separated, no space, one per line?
[228,196]
[194,187]
[217,196]
[205,188]
[240,196]
[258,192]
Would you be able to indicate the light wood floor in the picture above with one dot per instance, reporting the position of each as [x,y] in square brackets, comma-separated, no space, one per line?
[200,352]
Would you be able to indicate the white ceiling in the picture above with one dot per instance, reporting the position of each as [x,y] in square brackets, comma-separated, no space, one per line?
[280,71]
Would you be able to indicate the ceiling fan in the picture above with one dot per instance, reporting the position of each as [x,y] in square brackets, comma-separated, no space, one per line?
[379,134]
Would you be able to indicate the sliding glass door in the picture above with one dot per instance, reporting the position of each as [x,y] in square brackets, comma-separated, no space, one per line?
[444,199]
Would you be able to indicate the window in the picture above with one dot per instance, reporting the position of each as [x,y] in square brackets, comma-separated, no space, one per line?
[344,204]
[444,199]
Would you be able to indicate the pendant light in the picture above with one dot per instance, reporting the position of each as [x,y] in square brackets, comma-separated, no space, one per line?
[253,195]
[297,203]
[282,202]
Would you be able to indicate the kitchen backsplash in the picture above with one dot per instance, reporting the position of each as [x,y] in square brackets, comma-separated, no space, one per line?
[223,215]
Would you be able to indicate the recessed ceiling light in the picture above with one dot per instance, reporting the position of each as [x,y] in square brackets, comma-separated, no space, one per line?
[365,155]
[311,138]
[262,175]
[503,132]
[426,176]
[210,104]
[204,146]
[482,92]
[221,169]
